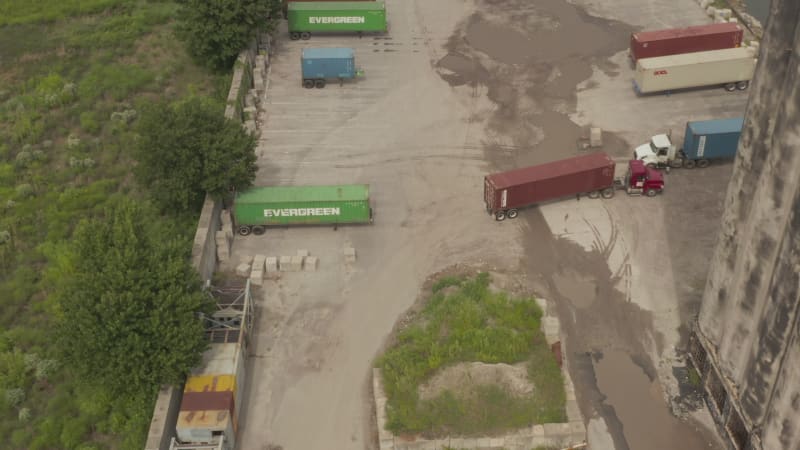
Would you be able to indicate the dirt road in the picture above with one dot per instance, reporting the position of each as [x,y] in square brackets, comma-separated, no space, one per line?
[457,89]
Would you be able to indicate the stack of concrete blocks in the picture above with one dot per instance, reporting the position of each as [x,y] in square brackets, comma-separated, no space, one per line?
[243,269]
[285,263]
[224,237]
[272,267]
[595,137]
[257,271]
[350,255]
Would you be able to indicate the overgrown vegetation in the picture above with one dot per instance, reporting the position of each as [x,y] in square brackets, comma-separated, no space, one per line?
[465,321]
[215,32]
[189,148]
[75,78]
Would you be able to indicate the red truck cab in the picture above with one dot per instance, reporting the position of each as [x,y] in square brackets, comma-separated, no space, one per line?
[643,180]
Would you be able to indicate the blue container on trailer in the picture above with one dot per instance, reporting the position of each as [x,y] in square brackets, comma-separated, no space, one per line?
[712,139]
[327,63]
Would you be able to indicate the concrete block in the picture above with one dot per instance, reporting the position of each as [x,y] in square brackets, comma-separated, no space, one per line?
[543,305]
[271,264]
[726,13]
[576,427]
[310,264]
[296,263]
[349,254]
[285,263]
[228,230]
[556,429]
[595,137]
[257,278]
[483,442]
[733,20]
[711,11]
[552,328]
[387,444]
[303,253]
[258,262]
[243,270]
[537,430]
[497,443]
[250,126]
[246,259]
[573,412]
[225,217]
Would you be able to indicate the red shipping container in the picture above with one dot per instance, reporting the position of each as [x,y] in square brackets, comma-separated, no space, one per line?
[675,41]
[522,187]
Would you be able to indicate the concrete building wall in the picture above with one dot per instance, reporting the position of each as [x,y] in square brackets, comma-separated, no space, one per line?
[748,323]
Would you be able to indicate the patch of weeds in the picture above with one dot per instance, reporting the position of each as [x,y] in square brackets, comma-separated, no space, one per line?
[14,12]
[694,377]
[116,81]
[470,324]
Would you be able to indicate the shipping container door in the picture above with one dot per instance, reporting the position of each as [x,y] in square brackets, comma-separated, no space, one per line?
[488,194]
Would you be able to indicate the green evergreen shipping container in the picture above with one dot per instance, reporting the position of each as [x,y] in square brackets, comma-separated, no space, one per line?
[307,17]
[298,205]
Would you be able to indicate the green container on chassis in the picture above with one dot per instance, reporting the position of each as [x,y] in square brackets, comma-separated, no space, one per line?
[315,17]
[301,205]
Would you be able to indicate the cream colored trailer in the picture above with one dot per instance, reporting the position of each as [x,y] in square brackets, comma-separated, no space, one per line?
[731,67]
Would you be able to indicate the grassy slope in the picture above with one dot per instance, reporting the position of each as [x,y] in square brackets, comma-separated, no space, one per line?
[72,75]
[471,323]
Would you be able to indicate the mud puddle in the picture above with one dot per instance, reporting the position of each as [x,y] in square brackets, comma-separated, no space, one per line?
[637,401]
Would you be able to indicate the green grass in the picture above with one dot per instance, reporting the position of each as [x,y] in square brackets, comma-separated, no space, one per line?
[464,324]
[70,70]
[694,377]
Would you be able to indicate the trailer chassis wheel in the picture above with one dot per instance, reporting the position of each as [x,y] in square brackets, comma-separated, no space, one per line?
[512,213]
[319,83]
[308,84]
[607,192]
[703,163]
[243,230]
[500,215]
[730,87]
[258,230]
[676,163]
[305,35]
[742,85]
[689,163]
[594,194]
[294,35]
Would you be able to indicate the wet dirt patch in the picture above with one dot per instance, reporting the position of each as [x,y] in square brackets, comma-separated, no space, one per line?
[580,291]
[637,401]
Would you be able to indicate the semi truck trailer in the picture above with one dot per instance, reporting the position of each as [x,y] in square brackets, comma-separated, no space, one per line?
[703,142]
[593,175]
[675,41]
[321,64]
[305,18]
[732,68]
[260,207]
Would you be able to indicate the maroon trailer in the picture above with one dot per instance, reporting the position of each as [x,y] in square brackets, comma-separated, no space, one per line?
[593,174]
[674,41]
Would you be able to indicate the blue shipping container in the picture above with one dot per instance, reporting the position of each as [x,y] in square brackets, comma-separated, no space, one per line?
[712,139]
[327,63]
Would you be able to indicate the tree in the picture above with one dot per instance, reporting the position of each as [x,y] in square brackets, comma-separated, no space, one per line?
[188,149]
[128,302]
[216,31]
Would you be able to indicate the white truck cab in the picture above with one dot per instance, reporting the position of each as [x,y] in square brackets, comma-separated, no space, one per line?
[659,152]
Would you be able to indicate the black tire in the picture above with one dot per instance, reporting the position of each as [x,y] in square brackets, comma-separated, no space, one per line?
[294,36]
[308,84]
[305,35]
[607,192]
[500,216]
[652,165]
[730,87]
[243,230]
[594,194]
[703,163]
[650,192]
[676,163]
[512,213]
[258,230]
[689,163]
[319,84]
[742,85]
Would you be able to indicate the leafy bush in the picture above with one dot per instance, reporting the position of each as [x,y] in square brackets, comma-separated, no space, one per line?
[89,122]
[216,32]
[188,149]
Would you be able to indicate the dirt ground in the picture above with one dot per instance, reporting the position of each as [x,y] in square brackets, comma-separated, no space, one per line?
[456,89]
